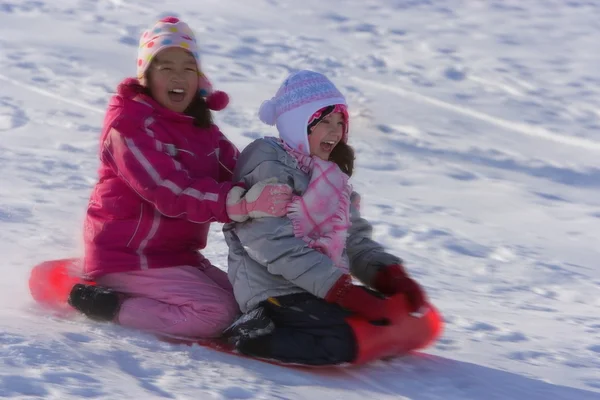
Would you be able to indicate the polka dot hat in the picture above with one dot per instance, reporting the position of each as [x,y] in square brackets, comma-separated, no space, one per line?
[172,32]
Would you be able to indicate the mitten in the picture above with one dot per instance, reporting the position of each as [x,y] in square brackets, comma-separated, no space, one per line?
[357,299]
[265,199]
[393,279]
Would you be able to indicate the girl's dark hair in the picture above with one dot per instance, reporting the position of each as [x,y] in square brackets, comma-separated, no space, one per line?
[343,155]
[198,109]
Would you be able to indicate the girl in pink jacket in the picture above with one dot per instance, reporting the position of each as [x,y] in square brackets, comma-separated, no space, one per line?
[165,175]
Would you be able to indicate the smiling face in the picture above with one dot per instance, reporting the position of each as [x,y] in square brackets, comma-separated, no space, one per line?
[173,78]
[326,135]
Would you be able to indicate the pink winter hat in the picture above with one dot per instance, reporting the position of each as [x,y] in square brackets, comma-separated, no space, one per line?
[172,32]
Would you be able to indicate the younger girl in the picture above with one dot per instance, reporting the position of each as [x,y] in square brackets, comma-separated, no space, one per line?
[292,276]
[165,175]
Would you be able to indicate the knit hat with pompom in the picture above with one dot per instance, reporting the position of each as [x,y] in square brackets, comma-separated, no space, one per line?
[300,96]
[172,32]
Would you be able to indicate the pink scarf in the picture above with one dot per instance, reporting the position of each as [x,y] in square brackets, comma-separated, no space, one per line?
[321,216]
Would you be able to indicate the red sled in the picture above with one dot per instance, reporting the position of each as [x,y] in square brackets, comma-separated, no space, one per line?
[51,281]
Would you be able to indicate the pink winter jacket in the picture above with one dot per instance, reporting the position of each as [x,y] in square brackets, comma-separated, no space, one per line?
[162,181]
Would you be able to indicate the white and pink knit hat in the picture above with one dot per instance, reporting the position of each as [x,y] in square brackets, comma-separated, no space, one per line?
[300,96]
[172,32]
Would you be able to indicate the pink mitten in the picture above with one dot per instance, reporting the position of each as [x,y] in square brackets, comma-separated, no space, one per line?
[265,199]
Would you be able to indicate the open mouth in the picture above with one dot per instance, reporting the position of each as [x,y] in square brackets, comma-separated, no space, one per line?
[176,95]
[328,145]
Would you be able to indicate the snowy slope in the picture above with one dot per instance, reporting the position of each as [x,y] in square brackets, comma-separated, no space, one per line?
[477,128]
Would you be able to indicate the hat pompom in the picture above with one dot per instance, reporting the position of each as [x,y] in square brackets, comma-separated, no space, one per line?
[170,20]
[267,112]
[217,100]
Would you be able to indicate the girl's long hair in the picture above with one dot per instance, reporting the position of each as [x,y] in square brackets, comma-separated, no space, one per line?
[343,155]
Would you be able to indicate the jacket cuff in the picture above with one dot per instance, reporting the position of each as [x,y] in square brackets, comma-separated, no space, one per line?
[339,289]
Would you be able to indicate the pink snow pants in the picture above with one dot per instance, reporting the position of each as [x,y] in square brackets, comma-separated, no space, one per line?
[177,301]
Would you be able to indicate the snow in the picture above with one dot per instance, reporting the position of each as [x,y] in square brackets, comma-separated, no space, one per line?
[477,130]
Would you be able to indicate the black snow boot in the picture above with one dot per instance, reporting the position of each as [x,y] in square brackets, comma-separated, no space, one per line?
[253,324]
[97,303]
